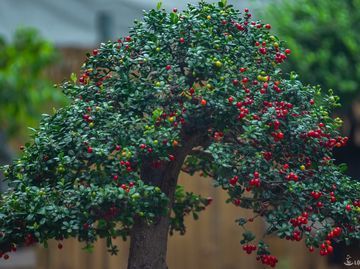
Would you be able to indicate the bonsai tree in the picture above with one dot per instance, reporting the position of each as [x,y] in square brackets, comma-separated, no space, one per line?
[197,91]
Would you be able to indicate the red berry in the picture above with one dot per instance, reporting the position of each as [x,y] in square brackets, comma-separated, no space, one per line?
[288,51]
[95,52]
[280,135]
[267,26]
[142,146]
[348,207]
[181,40]
[89,150]
[242,69]
[237,202]
[168,67]
[175,9]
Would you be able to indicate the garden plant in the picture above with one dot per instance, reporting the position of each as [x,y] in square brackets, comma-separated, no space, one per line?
[200,90]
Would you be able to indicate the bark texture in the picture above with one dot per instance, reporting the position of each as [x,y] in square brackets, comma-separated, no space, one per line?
[149,242]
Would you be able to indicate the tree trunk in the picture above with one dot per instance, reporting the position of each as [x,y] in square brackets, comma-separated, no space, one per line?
[149,242]
[148,245]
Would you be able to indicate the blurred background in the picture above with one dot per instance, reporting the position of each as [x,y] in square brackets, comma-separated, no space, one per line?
[43,41]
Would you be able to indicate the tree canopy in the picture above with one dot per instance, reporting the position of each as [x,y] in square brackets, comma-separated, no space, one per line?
[202,89]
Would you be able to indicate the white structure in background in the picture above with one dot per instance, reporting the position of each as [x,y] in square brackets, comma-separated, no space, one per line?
[82,23]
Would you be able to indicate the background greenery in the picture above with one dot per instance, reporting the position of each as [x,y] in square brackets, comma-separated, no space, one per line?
[324,41]
[25,92]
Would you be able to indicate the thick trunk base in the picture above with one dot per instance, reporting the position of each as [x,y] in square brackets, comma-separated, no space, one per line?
[149,242]
[149,245]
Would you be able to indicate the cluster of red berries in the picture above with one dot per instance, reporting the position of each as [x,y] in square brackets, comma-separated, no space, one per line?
[280,57]
[316,194]
[296,235]
[171,118]
[84,78]
[127,164]
[248,248]
[332,197]
[275,124]
[255,181]
[233,180]
[237,202]
[267,155]
[268,260]
[127,187]
[87,118]
[282,108]
[326,248]
[277,136]
[145,147]
[302,219]
[292,176]
[277,88]
[218,136]
[243,110]
[331,142]
[338,142]
[334,233]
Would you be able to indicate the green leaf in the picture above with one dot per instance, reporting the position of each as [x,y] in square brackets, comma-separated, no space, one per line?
[73,77]
[174,17]
[158,5]
[222,3]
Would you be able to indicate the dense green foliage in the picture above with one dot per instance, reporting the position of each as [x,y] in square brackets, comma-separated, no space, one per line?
[323,36]
[208,72]
[24,91]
